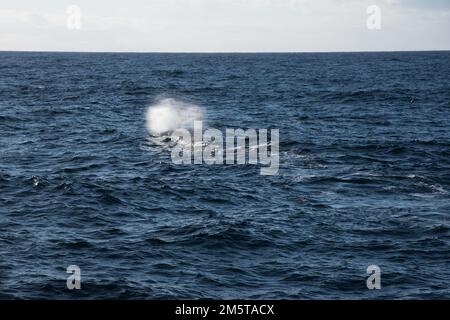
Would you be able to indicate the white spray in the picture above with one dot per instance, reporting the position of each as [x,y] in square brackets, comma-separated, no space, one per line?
[168,115]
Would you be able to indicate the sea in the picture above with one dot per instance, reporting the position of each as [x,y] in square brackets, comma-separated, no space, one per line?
[363,179]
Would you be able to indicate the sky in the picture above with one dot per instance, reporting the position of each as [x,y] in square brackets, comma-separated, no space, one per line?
[223,25]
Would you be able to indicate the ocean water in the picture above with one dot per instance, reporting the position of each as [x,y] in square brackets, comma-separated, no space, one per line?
[364,177]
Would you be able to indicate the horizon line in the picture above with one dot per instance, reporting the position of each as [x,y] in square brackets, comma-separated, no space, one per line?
[224,52]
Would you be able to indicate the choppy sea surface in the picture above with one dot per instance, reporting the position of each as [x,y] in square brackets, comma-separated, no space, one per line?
[364,177]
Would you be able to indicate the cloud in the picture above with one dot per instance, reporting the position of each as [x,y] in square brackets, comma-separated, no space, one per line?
[226,25]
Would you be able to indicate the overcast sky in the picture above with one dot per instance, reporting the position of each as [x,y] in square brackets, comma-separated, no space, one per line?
[224,25]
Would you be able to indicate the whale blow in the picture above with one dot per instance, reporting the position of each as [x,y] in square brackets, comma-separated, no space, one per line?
[169,114]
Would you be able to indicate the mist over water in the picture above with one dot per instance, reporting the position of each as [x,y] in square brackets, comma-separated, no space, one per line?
[170,114]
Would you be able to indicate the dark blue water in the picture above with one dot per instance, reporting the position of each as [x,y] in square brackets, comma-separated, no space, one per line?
[364,177]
